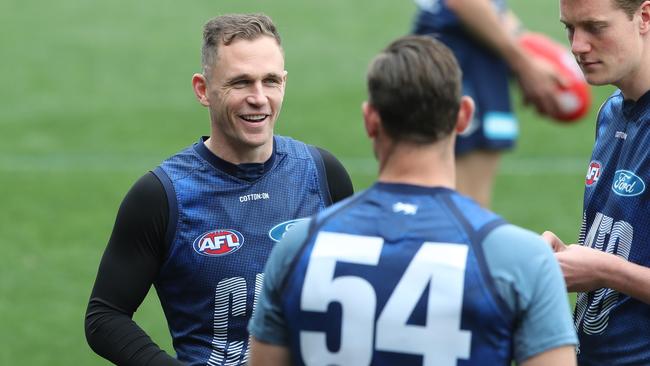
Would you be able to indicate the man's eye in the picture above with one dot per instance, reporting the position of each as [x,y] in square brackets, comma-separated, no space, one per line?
[595,29]
[240,83]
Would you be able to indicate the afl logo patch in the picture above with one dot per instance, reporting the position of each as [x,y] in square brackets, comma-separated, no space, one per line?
[593,173]
[218,242]
[280,230]
[627,184]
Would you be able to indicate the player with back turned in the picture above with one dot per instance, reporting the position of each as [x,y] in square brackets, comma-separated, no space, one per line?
[409,272]
[610,269]
[201,225]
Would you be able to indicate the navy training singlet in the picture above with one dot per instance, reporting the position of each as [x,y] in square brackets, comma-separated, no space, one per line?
[225,228]
[614,329]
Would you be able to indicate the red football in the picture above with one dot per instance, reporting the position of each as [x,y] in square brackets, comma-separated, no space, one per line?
[575,99]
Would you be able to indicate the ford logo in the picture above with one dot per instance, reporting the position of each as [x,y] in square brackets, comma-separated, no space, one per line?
[279,231]
[627,184]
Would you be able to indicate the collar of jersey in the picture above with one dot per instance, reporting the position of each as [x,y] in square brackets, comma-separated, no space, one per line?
[635,109]
[245,171]
[411,188]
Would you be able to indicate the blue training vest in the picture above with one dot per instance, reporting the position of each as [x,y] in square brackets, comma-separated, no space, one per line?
[222,230]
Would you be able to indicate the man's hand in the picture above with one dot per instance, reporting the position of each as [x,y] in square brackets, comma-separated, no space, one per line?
[556,243]
[539,81]
[583,267]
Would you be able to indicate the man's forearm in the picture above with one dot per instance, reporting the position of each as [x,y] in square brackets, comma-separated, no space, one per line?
[628,278]
[116,337]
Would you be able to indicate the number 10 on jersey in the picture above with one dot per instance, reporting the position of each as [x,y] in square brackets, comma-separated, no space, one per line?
[441,266]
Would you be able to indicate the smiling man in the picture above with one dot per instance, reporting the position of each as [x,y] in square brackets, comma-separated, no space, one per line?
[201,225]
[610,269]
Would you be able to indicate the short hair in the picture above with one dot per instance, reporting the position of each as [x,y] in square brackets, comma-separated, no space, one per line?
[225,29]
[415,85]
[628,6]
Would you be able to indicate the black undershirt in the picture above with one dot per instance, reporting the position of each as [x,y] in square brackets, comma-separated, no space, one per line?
[132,260]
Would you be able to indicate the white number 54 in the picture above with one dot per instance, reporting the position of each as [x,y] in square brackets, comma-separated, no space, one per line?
[441,266]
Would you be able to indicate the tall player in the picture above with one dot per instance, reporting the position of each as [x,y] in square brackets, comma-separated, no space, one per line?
[201,226]
[483,36]
[611,42]
[410,272]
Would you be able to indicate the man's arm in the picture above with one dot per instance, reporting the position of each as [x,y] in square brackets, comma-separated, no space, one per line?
[128,267]
[558,356]
[537,78]
[587,269]
[528,279]
[266,354]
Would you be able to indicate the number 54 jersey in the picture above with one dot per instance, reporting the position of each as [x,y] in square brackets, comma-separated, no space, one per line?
[411,275]
[613,328]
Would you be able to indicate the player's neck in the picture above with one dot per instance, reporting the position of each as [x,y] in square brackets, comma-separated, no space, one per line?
[636,84]
[636,87]
[429,165]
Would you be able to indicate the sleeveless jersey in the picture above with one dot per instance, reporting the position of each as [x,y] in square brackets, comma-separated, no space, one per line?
[374,285]
[614,329]
[221,232]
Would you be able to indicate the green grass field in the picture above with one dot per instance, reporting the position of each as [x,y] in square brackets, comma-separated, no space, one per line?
[96,93]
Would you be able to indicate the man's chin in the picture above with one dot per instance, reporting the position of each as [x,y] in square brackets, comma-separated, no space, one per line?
[597,80]
[255,141]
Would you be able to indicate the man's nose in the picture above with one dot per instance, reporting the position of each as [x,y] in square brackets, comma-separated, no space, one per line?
[580,43]
[257,95]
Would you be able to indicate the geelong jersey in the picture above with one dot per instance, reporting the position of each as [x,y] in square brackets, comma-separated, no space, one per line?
[396,276]
[222,230]
[614,329]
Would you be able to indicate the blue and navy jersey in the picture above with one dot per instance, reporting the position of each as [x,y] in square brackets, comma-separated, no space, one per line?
[614,329]
[222,230]
[373,284]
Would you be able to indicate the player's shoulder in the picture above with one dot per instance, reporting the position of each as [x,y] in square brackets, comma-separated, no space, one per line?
[479,218]
[519,262]
[516,256]
[184,162]
[613,103]
[522,243]
[286,144]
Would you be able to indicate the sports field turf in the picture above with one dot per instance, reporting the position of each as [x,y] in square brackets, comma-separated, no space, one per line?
[93,94]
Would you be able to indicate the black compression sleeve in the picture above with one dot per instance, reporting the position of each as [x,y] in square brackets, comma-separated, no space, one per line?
[128,267]
[338,180]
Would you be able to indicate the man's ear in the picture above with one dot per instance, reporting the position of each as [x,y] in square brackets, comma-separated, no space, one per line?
[371,119]
[465,113]
[200,87]
[644,12]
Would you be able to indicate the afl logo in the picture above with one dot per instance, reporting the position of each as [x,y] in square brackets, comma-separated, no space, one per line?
[593,173]
[280,230]
[627,184]
[218,242]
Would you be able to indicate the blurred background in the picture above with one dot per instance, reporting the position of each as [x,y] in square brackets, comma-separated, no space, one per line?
[93,94]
